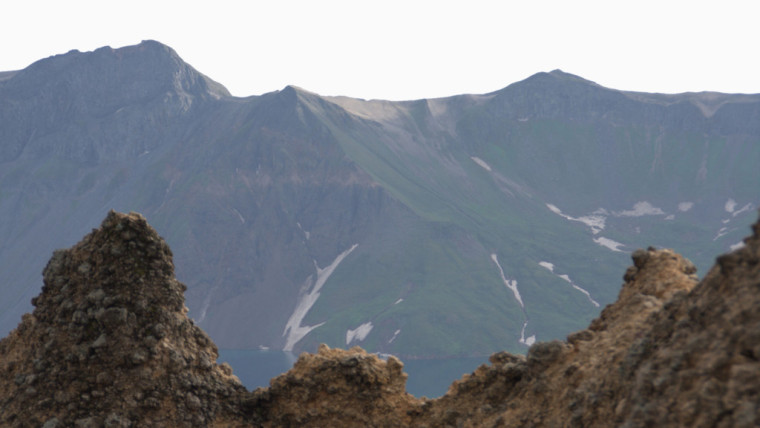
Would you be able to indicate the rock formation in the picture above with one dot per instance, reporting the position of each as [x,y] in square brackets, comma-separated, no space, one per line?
[109,344]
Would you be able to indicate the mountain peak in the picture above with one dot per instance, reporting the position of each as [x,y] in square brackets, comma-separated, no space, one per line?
[55,96]
[147,69]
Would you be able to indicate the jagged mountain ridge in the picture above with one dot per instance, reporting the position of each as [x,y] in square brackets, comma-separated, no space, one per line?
[473,213]
[110,344]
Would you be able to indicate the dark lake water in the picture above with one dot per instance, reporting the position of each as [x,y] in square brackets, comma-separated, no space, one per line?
[430,378]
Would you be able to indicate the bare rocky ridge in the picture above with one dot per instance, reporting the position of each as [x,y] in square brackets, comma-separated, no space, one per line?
[109,344]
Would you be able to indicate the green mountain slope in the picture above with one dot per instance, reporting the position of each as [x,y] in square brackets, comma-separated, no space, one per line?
[455,226]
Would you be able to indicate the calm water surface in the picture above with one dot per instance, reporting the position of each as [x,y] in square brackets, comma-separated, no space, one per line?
[430,378]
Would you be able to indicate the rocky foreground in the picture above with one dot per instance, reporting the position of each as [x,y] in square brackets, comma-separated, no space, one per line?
[110,344]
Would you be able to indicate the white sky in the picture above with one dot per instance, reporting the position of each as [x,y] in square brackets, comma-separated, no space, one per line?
[411,49]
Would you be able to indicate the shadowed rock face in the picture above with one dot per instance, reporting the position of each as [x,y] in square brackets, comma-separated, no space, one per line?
[109,344]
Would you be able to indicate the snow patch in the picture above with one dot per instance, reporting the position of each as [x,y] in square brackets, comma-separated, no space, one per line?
[307,234]
[398,301]
[530,340]
[722,232]
[294,331]
[730,205]
[743,209]
[670,217]
[685,206]
[640,209]
[240,216]
[737,246]
[595,221]
[547,265]
[359,333]
[510,283]
[609,243]
[550,268]
[395,334]
[481,162]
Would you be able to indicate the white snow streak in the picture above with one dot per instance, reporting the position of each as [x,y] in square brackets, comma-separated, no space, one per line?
[294,331]
[395,334]
[722,232]
[240,216]
[743,209]
[737,246]
[398,301]
[530,340]
[609,243]
[594,221]
[359,333]
[510,283]
[550,268]
[481,162]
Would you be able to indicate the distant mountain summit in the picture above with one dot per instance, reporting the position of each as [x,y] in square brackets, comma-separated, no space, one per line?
[456,226]
[91,106]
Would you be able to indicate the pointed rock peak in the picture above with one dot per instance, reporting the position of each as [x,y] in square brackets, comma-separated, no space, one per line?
[109,342]
[124,260]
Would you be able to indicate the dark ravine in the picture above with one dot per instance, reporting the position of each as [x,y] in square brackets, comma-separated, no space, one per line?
[109,344]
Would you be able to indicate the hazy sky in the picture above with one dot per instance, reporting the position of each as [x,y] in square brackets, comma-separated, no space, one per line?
[411,49]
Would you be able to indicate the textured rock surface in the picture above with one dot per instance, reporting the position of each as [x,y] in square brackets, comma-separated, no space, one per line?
[339,388]
[109,344]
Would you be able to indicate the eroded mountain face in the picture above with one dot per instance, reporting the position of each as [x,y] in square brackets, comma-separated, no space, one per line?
[458,226]
[109,344]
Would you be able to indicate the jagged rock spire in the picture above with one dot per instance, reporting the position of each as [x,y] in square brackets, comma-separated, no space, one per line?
[109,342]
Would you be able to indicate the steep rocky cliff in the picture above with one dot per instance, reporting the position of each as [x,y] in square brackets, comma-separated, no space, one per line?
[109,344]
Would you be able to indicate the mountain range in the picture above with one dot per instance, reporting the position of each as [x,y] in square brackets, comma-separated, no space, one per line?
[428,228]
